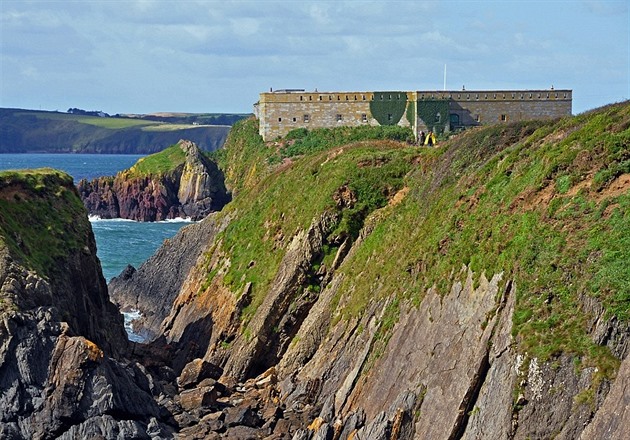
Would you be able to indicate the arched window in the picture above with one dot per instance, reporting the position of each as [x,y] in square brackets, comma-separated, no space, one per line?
[438,117]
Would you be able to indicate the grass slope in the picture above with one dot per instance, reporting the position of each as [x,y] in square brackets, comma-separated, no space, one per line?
[38,212]
[545,203]
[157,164]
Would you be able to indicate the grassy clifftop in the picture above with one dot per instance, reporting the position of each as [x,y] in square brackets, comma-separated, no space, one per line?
[545,203]
[158,163]
[38,217]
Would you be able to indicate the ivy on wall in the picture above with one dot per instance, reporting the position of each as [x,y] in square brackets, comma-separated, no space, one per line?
[388,107]
[411,113]
[434,113]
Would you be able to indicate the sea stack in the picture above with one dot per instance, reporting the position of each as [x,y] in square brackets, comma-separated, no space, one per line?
[180,181]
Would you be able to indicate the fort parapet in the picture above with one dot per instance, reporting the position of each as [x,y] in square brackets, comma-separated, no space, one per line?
[284,110]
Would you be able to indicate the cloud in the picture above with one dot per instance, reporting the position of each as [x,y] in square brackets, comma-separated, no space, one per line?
[210,55]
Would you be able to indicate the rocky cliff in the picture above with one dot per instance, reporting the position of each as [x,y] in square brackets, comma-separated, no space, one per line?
[63,372]
[380,291]
[177,182]
[365,289]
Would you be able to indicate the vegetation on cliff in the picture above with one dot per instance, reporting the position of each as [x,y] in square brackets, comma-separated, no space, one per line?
[180,181]
[164,162]
[38,212]
[544,203]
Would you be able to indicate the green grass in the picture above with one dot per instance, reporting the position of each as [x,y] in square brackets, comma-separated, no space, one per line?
[269,206]
[467,209]
[531,200]
[157,164]
[110,122]
[48,199]
[302,141]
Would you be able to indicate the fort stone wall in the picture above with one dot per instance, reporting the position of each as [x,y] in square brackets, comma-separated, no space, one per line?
[284,110]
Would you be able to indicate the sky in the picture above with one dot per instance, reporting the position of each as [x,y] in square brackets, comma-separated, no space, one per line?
[145,56]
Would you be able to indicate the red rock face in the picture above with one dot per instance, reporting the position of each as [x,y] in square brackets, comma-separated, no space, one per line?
[193,189]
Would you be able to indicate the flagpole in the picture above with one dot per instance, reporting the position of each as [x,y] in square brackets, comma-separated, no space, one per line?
[445,77]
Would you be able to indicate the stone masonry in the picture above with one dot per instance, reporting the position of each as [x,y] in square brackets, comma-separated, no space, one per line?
[284,110]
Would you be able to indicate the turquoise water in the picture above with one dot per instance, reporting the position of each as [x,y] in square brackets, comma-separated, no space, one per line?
[122,242]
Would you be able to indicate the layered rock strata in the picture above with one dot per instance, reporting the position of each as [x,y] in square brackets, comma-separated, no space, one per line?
[63,372]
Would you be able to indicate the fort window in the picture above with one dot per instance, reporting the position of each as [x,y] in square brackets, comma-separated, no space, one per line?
[363,97]
[477,96]
[389,116]
[330,97]
[513,95]
[438,117]
[338,98]
[346,97]
[467,96]
[504,118]
[301,98]
[485,96]
[294,119]
[307,118]
[364,117]
[522,96]
[547,95]
[339,118]
[310,98]
[320,97]
[530,96]
[494,96]
[355,97]
[279,119]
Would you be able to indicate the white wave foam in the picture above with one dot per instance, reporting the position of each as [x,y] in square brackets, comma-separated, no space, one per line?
[96,218]
[178,220]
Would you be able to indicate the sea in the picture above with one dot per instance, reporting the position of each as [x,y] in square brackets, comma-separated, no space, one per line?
[119,242]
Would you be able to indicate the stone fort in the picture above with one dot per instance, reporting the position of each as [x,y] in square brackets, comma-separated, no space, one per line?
[281,111]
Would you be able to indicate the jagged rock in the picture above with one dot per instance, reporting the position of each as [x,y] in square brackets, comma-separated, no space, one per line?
[62,343]
[243,433]
[152,290]
[196,371]
[198,398]
[242,415]
[193,188]
[611,420]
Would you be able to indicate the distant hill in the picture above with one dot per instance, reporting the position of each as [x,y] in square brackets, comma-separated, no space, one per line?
[31,131]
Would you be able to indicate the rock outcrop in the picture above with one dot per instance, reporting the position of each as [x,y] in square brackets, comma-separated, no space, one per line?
[177,182]
[347,332]
[62,342]
[154,286]
[372,291]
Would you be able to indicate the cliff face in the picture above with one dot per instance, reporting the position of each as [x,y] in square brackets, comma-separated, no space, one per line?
[371,290]
[177,182]
[62,341]
[383,291]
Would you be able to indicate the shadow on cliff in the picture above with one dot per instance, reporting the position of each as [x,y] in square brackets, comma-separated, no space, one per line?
[175,355]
